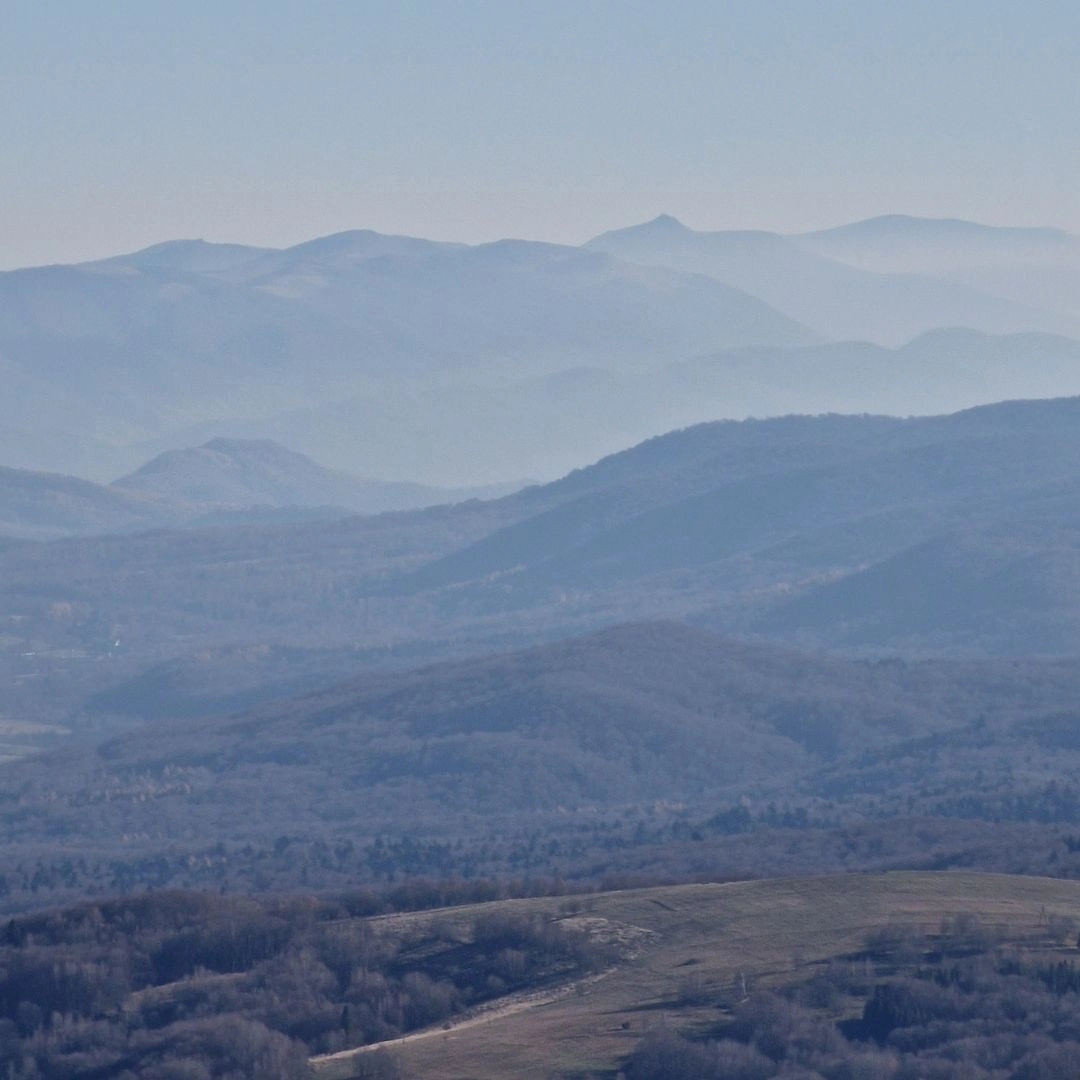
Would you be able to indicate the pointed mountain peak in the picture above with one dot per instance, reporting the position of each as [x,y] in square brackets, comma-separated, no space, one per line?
[667,223]
[665,227]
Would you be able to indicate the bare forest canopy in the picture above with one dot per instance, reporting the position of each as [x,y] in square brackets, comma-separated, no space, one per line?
[652,749]
[961,977]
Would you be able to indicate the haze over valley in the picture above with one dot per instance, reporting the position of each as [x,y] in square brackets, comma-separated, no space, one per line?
[413,361]
[240,576]
[539,542]
[309,604]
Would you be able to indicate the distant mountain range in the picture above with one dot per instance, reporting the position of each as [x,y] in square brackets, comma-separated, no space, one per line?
[455,365]
[827,282]
[223,481]
[899,243]
[114,358]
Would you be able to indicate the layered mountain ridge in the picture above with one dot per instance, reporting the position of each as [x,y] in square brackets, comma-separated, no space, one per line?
[454,365]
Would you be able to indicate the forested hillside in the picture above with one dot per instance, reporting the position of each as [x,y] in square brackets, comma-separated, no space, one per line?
[752,527]
[652,747]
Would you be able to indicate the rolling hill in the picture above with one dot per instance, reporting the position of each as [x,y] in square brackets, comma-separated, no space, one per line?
[940,371]
[224,481]
[772,935]
[238,474]
[985,587]
[42,506]
[943,975]
[851,482]
[740,524]
[582,731]
[452,365]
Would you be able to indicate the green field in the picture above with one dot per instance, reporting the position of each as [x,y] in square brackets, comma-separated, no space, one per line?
[722,937]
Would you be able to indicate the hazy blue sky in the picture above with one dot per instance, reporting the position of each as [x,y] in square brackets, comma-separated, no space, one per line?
[125,123]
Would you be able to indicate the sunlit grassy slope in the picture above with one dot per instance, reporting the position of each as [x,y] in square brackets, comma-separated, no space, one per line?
[724,938]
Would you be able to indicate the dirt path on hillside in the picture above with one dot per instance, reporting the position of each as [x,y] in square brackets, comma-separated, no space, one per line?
[483,1014]
[625,937]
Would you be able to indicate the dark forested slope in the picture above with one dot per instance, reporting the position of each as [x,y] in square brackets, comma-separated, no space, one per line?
[613,721]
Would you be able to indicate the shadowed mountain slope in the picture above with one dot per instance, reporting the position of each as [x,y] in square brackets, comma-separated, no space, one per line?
[823,475]
[1010,584]
[42,506]
[587,726]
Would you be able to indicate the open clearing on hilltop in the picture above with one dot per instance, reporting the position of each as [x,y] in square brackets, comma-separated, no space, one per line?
[723,937]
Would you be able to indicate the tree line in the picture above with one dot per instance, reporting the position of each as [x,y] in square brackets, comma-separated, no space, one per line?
[185,986]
